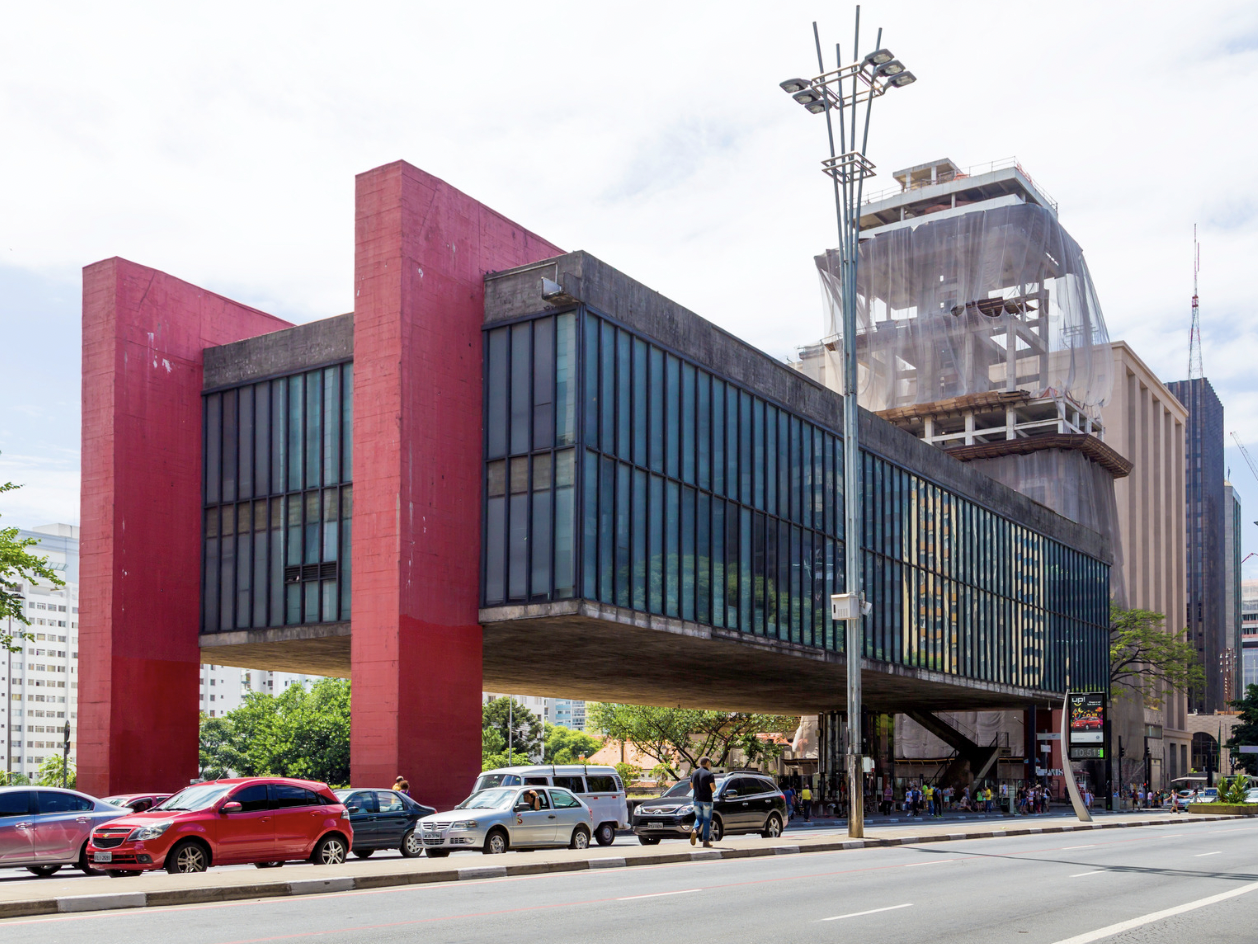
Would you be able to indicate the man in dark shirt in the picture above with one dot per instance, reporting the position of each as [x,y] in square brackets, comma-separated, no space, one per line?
[701,783]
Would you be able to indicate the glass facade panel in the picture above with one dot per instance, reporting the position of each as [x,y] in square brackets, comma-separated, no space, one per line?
[702,501]
[281,558]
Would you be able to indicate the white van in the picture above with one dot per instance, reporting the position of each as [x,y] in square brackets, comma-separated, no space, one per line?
[599,787]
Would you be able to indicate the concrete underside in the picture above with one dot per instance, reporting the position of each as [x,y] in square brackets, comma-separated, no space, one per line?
[319,649]
[590,651]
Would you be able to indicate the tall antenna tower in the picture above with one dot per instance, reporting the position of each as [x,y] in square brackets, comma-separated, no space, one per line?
[1195,370]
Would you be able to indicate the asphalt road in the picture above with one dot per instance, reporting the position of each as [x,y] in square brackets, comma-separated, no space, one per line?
[1034,889]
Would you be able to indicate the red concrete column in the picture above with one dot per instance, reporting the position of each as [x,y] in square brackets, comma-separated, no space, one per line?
[140,554]
[422,249]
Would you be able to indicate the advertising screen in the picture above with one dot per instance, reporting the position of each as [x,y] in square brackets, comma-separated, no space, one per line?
[1087,723]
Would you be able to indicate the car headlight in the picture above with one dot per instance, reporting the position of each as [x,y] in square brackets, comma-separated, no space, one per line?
[149,832]
[464,824]
[685,810]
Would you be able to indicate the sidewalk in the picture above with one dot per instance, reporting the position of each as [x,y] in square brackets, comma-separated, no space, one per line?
[35,896]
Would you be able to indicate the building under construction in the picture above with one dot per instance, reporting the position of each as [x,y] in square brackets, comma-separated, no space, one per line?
[979,331]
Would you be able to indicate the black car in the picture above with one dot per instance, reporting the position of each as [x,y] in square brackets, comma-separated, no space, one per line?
[383,819]
[742,803]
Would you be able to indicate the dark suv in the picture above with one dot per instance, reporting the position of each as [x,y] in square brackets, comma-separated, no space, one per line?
[743,802]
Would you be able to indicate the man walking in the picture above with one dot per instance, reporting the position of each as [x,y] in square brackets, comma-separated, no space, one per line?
[701,783]
[805,797]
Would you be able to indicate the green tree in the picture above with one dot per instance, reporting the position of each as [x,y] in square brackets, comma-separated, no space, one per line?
[568,746]
[217,750]
[13,779]
[51,770]
[17,563]
[299,733]
[686,734]
[1144,657]
[525,742]
[1245,734]
[628,773]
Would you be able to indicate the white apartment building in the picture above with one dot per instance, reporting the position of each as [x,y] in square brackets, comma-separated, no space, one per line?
[563,712]
[41,681]
[224,687]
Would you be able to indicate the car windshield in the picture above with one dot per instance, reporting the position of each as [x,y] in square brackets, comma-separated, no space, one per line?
[115,801]
[683,789]
[488,800]
[200,797]
[489,781]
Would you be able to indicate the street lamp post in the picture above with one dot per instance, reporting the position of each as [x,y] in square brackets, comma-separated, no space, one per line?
[842,90]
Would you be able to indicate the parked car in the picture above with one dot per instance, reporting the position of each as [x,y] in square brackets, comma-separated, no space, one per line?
[1251,796]
[505,818]
[263,820]
[137,802]
[384,819]
[743,802]
[599,788]
[43,829]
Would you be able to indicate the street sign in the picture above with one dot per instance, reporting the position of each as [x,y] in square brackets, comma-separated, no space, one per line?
[1043,736]
[1249,749]
[1153,732]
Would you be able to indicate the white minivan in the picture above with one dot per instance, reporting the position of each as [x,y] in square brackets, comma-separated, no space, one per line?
[599,787]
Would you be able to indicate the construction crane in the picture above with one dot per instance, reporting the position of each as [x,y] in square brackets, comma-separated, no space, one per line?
[1248,461]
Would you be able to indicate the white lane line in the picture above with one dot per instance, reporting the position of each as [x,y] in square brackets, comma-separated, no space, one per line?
[1090,845]
[1113,929]
[857,914]
[685,891]
[1081,874]
[1201,854]
[913,865]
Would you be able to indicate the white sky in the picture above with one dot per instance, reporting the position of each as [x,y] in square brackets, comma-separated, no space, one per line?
[220,144]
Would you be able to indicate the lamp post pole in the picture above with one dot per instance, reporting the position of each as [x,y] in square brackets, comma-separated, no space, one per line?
[842,90]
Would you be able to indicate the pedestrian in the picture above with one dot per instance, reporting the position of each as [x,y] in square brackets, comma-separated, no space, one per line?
[805,797]
[987,800]
[702,780]
[789,793]
[888,799]
[401,785]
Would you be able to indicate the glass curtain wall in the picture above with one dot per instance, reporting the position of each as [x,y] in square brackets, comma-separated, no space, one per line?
[668,489]
[278,501]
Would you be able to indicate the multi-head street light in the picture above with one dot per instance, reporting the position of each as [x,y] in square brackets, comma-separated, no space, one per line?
[841,90]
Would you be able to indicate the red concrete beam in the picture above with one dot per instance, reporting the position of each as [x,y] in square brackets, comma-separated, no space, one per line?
[140,554]
[422,249]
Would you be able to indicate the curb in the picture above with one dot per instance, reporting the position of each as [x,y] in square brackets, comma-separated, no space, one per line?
[70,904]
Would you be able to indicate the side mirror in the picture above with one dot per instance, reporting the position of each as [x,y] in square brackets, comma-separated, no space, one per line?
[352,809]
[231,806]
[730,794]
[522,807]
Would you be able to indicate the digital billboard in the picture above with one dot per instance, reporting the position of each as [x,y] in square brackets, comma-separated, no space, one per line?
[1087,725]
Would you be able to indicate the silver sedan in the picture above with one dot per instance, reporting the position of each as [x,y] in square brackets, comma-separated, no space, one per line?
[44,828]
[509,818]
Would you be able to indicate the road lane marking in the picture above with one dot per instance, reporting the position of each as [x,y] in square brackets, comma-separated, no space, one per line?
[1113,929]
[913,865]
[1090,845]
[1081,874]
[685,891]
[1201,854]
[857,914]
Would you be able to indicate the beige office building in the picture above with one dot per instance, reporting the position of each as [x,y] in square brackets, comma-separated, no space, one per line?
[1145,423]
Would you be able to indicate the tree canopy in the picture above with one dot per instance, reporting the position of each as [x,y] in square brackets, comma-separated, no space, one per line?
[568,746]
[686,734]
[525,745]
[1144,656]
[298,733]
[17,563]
[1245,734]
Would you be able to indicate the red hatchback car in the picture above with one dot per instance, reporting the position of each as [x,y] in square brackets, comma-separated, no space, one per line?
[263,820]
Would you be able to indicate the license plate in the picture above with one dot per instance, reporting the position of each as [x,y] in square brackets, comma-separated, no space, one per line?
[102,857]
[654,825]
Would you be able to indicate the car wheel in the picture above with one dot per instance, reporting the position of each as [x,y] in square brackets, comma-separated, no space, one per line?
[364,853]
[718,829]
[496,842]
[330,850]
[437,853]
[187,857]
[120,873]
[411,846]
[772,827]
[43,871]
[84,866]
[605,835]
[269,865]
[649,840]
[580,838]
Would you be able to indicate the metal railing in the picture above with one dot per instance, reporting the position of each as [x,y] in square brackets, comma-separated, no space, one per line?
[973,171]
